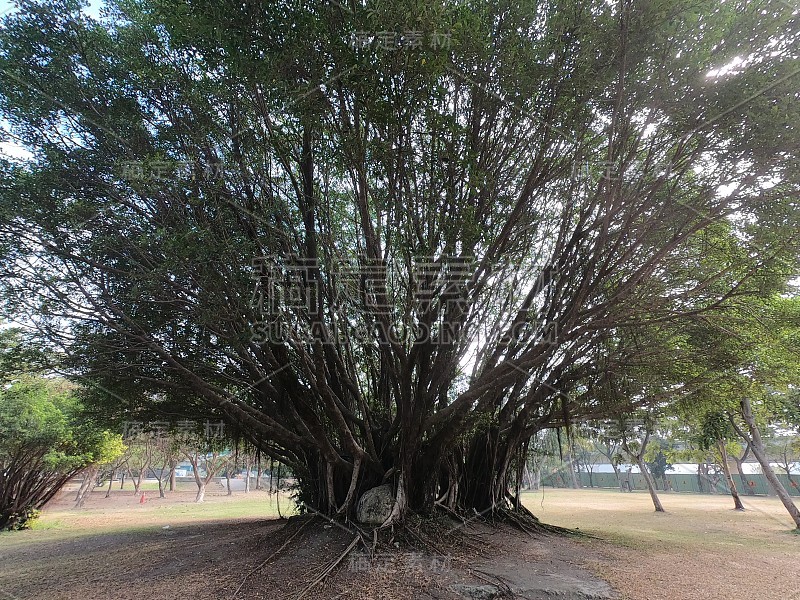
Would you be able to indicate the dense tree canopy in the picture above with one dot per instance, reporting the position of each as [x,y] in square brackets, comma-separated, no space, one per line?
[390,241]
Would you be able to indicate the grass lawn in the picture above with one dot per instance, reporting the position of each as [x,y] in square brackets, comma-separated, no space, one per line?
[123,513]
[112,546]
[700,548]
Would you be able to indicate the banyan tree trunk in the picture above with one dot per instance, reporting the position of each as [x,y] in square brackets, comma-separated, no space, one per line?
[479,475]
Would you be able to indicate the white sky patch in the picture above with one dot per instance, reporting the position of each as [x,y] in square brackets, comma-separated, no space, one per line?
[649,130]
[731,67]
[14,151]
[726,190]
[93,9]
[769,182]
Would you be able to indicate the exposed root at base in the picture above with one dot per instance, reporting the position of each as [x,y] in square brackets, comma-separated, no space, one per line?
[273,555]
[329,568]
[519,518]
[431,533]
[500,584]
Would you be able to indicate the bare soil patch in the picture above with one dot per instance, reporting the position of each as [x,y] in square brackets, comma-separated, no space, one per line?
[130,555]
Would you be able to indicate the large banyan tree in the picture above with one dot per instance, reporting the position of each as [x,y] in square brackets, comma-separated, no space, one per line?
[389,241]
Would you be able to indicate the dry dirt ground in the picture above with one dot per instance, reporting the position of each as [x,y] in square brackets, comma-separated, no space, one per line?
[699,549]
[119,548]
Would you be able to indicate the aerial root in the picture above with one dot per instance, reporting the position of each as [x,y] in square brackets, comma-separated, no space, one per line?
[505,589]
[424,540]
[271,556]
[451,512]
[524,520]
[517,521]
[329,568]
[514,514]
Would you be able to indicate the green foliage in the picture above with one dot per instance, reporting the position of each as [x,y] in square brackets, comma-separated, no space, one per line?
[45,438]
[39,413]
[658,463]
[23,519]
[18,355]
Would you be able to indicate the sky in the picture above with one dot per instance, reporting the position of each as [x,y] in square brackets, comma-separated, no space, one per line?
[7,7]
[9,148]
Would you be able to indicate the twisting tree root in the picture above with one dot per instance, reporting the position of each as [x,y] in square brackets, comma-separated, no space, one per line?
[329,568]
[505,589]
[273,555]
[430,532]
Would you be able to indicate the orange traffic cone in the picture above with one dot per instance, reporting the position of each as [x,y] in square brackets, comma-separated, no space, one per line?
[143,498]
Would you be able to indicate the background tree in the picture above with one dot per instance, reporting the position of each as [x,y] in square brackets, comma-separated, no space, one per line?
[786,451]
[94,474]
[753,436]
[774,366]
[586,456]
[751,365]
[634,438]
[139,458]
[116,467]
[45,440]
[164,457]
[715,432]
[544,455]
[609,449]
[207,457]
[786,445]
[247,458]
[739,453]
[230,469]
[657,463]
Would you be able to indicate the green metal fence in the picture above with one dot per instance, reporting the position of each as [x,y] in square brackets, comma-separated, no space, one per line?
[756,484]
